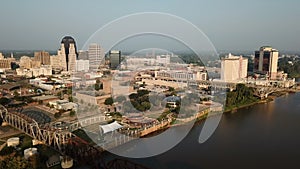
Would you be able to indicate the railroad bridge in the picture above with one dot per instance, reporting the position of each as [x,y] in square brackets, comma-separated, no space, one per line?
[64,141]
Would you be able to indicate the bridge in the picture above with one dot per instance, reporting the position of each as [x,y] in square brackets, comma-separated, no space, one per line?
[264,91]
[64,141]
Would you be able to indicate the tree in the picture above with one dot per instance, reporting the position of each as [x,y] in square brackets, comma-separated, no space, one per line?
[171,89]
[142,92]
[120,99]
[15,163]
[98,86]
[4,101]
[72,113]
[146,105]
[109,101]
[57,115]
[16,93]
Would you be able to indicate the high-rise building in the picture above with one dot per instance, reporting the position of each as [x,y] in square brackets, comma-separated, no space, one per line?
[55,62]
[69,51]
[114,58]
[62,58]
[72,58]
[96,55]
[43,57]
[6,63]
[233,68]
[82,65]
[83,55]
[266,61]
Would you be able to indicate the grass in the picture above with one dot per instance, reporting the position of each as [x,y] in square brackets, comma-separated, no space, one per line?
[241,105]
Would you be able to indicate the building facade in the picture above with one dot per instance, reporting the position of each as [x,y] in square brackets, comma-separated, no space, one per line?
[266,61]
[233,68]
[96,55]
[69,51]
[115,59]
[82,65]
[5,63]
[43,57]
[28,63]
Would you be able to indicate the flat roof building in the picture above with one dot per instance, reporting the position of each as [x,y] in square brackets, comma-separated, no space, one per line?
[266,61]
[233,68]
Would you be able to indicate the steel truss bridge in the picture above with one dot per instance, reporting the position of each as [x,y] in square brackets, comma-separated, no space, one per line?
[64,141]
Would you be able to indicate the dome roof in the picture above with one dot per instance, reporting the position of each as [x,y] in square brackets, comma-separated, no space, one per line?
[68,39]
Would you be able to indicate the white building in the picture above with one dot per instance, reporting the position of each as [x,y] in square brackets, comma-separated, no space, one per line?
[233,68]
[13,142]
[96,55]
[142,62]
[72,58]
[181,75]
[45,70]
[63,105]
[25,62]
[163,59]
[40,83]
[82,65]
[58,62]
[30,152]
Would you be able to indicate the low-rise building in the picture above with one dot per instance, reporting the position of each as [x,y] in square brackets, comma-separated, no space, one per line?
[63,105]
[13,142]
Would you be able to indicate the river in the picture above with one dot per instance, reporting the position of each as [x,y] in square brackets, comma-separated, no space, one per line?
[262,136]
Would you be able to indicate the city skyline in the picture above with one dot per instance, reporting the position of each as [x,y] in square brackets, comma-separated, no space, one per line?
[245,25]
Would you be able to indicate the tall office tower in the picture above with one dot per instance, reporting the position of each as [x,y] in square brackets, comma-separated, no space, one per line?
[67,41]
[62,58]
[83,55]
[96,55]
[43,57]
[233,68]
[1,56]
[55,62]
[114,58]
[266,61]
[72,58]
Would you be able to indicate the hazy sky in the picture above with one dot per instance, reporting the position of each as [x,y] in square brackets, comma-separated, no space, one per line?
[230,24]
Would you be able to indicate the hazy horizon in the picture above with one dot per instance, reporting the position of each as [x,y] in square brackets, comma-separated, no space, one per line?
[230,25]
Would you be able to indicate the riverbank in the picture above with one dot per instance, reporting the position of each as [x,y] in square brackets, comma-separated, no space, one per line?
[270,98]
[202,116]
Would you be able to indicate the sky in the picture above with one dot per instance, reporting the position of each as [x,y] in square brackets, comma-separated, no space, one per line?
[230,25]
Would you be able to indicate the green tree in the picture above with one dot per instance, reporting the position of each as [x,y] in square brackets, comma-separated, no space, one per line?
[146,105]
[4,101]
[16,94]
[109,101]
[57,115]
[142,92]
[15,163]
[72,113]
